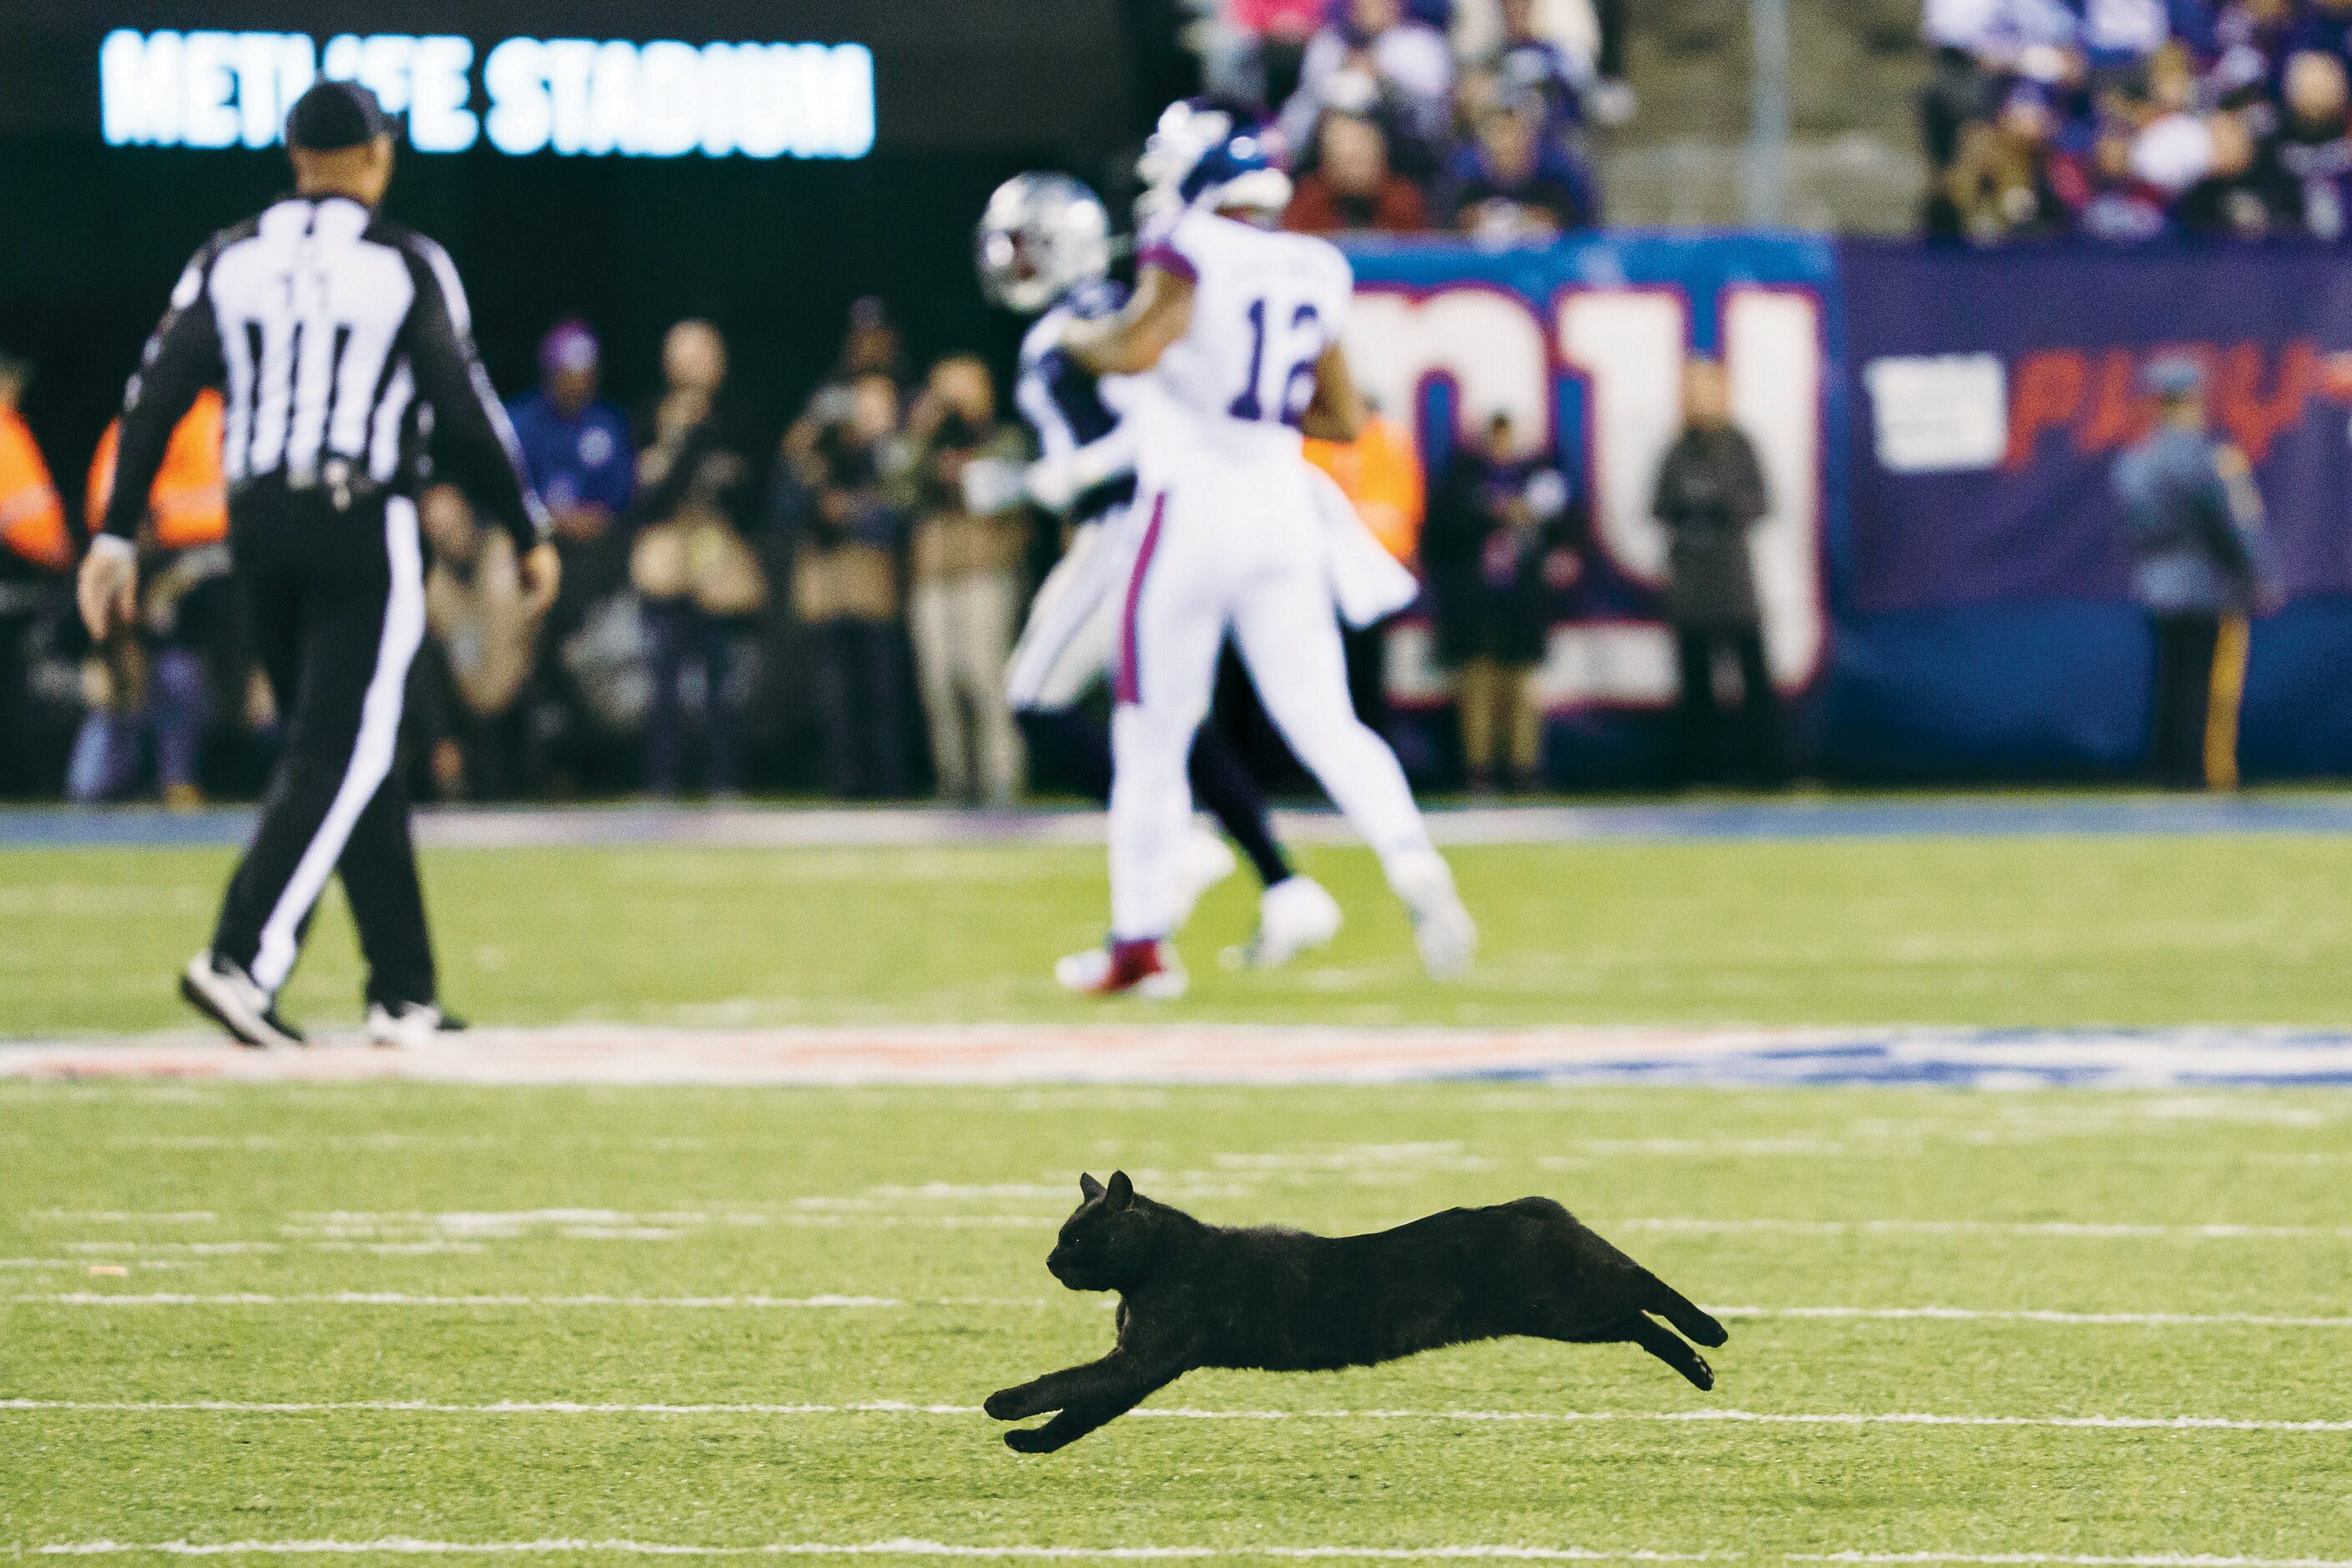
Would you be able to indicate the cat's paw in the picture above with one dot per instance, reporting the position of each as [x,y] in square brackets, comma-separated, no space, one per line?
[1009,1404]
[1031,1440]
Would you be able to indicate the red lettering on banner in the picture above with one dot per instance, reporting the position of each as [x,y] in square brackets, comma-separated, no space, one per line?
[2254,421]
[2048,395]
[2120,413]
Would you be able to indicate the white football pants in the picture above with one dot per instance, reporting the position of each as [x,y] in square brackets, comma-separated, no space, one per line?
[1235,548]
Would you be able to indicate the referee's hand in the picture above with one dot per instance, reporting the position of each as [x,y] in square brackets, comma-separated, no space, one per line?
[108,588]
[542,573]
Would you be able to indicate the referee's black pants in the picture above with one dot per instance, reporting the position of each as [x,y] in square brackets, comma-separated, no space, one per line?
[336,600]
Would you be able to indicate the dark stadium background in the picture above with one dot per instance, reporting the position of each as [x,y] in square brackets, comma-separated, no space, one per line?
[969,92]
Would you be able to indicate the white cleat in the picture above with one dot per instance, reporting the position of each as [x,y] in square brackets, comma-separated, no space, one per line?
[1202,862]
[233,999]
[1295,915]
[409,1025]
[1441,928]
[1147,969]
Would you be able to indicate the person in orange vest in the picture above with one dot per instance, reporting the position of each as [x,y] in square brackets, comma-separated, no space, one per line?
[1381,474]
[156,686]
[34,549]
[32,518]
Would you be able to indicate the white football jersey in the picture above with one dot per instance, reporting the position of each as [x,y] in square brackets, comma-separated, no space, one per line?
[1266,305]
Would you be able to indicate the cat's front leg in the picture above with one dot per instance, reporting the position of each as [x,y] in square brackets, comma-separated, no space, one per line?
[1023,1400]
[1076,1419]
[1095,1379]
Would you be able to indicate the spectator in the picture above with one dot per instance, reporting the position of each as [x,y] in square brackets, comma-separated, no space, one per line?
[2003,182]
[2199,570]
[1351,186]
[587,702]
[2251,42]
[1373,56]
[156,687]
[698,579]
[1255,49]
[32,518]
[34,553]
[486,635]
[869,346]
[576,448]
[1579,30]
[1960,36]
[845,586]
[2304,173]
[1557,68]
[1500,545]
[1710,496]
[970,537]
[1509,186]
[1380,473]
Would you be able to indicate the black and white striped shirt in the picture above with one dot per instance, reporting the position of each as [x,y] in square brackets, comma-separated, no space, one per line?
[342,343]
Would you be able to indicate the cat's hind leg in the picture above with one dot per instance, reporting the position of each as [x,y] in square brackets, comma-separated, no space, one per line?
[1661,1341]
[1676,1308]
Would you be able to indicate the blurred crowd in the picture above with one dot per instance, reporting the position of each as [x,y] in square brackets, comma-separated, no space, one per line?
[866,574]
[2131,119]
[1475,117]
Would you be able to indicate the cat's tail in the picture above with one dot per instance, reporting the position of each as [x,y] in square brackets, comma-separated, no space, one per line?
[1676,1308]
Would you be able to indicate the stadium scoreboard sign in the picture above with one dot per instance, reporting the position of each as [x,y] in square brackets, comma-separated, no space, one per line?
[744,82]
[575,97]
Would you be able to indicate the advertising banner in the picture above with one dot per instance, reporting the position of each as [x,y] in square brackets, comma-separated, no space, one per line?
[1583,343]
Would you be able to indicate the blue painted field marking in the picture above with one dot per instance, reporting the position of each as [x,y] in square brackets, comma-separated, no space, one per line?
[2103,816]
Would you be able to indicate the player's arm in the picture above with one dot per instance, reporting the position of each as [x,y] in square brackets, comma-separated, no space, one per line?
[468,418]
[1337,414]
[182,359]
[1132,342]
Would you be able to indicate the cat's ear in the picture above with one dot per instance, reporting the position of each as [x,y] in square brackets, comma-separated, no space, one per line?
[1120,1193]
[1089,1188]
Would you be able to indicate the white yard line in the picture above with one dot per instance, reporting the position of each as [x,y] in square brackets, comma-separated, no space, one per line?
[2088,1230]
[2038,1315]
[408,1546]
[827,1214]
[900,1407]
[821,1302]
[2149,1560]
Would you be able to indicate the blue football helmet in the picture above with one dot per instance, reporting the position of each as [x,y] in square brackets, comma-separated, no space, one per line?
[1207,154]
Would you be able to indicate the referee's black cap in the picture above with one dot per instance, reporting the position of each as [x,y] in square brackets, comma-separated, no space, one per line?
[333,115]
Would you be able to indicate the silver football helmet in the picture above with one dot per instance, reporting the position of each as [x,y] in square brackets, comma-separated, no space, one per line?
[1042,236]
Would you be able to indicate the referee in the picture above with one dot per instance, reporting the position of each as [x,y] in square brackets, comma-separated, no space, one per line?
[341,341]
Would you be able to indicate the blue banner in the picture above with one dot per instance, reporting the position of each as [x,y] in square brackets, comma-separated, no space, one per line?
[1985,626]
[1943,575]
[1583,343]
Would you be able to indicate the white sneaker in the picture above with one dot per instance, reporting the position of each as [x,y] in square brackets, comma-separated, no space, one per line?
[236,1001]
[1295,915]
[1147,969]
[1202,862]
[409,1025]
[1441,928]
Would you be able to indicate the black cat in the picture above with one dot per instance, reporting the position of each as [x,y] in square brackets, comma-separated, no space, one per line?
[1195,1295]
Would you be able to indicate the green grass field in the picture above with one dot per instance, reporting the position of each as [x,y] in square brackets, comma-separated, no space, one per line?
[762,1320]
[1957,931]
[943,1201]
